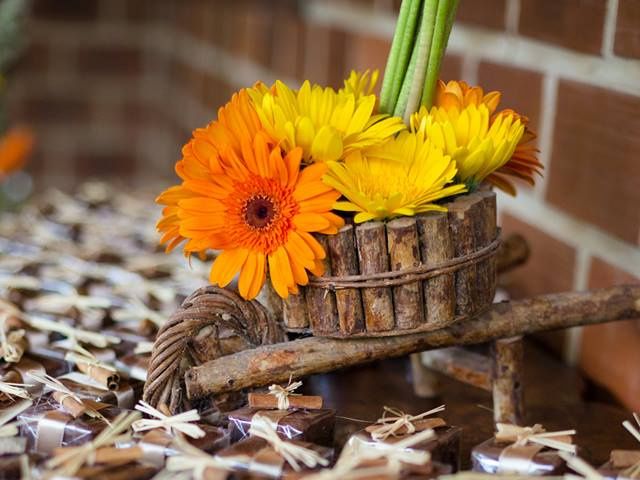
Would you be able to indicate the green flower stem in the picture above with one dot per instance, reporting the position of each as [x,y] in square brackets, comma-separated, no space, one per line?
[423,47]
[403,97]
[401,48]
[443,24]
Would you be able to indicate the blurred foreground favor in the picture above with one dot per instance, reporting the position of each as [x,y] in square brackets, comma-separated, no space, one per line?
[523,451]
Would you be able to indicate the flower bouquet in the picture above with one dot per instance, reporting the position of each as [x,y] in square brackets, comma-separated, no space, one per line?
[369,215]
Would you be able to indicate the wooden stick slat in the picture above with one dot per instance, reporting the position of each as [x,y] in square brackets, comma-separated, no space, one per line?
[436,246]
[344,261]
[321,303]
[275,363]
[508,406]
[294,311]
[485,233]
[402,240]
[462,226]
[373,258]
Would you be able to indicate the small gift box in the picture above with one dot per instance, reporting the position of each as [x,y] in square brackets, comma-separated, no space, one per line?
[46,425]
[162,429]
[134,366]
[624,464]
[125,396]
[394,425]
[523,450]
[363,459]
[299,417]
[264,454]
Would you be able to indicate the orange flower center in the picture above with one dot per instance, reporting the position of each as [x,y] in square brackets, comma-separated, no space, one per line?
[260,213]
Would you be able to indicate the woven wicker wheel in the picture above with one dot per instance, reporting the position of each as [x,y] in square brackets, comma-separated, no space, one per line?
[211,322]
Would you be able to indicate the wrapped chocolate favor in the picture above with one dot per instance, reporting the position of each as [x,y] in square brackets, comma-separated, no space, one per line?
[394,425]
[363,459]
[134,366]
[265,454]
[17,372]
[524,451]
[46,425]
[125,396]
[294,416]
[159,433]
[624,464]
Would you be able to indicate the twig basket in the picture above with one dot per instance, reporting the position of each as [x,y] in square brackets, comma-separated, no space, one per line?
[411,274]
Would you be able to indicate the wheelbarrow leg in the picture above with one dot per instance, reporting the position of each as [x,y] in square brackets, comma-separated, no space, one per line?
[507,387]
[425,381]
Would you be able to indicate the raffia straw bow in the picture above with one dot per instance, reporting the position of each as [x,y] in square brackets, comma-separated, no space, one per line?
[195,460]
[93,338]
[71,459]
[580,466]
[82,355]
[358,451]
[15,390]
[391,425]
[11,351]
[522,435]
[171,424]
[293,454]
[9,430]
[57,386]
[634,470]
[282,393]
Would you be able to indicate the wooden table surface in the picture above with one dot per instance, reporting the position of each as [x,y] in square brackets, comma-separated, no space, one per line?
[554,397]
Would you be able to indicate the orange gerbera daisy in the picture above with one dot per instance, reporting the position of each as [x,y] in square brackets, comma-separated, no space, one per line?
[15,147]
[261,210]
[242,195]
[524,163]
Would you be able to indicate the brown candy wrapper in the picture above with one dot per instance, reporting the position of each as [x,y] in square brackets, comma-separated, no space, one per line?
[125,396]
[489,457]
[17,372]
[12,467]
[158,444]
[136,471]
[46,426]
[315,426]
[134,366]
[621,465]
[445,448]
[254,458]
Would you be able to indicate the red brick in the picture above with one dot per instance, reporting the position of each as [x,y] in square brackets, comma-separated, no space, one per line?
[75,10]
[549,268]
[451,68]
[104,164]
[594,168]
[287,56]
[609,352]
[576,24]
[487,13]
[36,58]
[367,52]
[110,60]
[324,55]
[49,109]
[627,39]
[521,89]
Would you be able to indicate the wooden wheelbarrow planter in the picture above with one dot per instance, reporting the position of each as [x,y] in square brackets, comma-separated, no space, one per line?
[273,363]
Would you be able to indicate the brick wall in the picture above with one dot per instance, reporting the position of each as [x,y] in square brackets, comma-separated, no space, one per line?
[115,87]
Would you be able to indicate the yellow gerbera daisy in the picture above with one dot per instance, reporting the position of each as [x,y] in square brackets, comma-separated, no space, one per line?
[404,176]
[326,124]
[478,144]
[360,84]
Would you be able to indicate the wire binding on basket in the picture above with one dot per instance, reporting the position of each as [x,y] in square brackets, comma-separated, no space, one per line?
[402,277]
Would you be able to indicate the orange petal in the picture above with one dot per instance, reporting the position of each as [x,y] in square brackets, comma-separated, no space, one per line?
[280,272]
[310,222]
[227,265]
[252,275]
[318,251]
